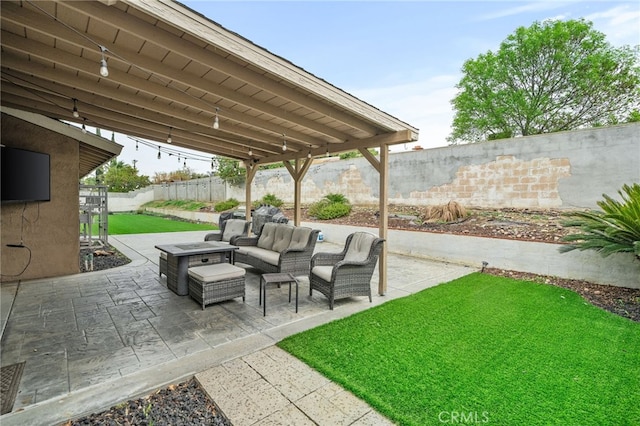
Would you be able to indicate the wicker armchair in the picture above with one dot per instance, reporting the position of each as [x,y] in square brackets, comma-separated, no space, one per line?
[228,229]
[348,273]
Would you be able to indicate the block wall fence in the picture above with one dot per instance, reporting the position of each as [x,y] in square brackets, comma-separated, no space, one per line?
[553,171]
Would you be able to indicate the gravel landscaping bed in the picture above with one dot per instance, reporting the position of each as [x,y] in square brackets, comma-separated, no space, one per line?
[185,404]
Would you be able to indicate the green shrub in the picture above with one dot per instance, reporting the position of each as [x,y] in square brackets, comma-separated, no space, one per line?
[330,207]
[317,207]
[334,210]
[226,205]
[271,200]
[337,198]
[615,229]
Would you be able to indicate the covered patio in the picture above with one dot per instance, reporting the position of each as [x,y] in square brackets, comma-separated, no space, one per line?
[161,71]
[95,339]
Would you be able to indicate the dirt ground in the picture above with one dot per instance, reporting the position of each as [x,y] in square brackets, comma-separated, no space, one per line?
[520,224]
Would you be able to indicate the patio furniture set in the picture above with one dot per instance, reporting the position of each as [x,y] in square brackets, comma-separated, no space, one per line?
[207,270]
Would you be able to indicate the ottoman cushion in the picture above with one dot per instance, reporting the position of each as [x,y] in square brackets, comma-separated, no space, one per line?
[216,272]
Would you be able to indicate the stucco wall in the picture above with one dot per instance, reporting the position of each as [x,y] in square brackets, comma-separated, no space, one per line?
[49,229]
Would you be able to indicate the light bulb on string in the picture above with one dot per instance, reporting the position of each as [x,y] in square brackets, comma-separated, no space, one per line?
[284,142]
[169,140]
[136,145]
[84,128]
[104,70]
[212,163]
[76,114]
[159,154]
[216,121]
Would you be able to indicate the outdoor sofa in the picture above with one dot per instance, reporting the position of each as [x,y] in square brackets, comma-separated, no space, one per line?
[279,248]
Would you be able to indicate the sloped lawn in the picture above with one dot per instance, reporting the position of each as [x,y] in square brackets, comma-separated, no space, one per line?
[484,350]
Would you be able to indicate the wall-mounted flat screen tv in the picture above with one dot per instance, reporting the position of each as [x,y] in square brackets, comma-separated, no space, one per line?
[25,175]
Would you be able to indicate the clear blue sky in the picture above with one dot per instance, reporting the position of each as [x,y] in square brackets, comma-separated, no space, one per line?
[403,57]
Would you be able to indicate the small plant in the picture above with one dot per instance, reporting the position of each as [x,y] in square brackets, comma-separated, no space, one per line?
[271,200]
[226,205]
[444,213]
[615,229]
[330,207]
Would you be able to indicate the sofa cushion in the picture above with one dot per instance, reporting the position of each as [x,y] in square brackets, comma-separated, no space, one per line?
[217,272]
[323,272]
[269,256]
[233,227]
[359,247]
[300,238]
[282,237]
[267,236]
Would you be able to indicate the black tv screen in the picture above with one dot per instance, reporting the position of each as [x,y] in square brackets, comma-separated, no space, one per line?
[25,175]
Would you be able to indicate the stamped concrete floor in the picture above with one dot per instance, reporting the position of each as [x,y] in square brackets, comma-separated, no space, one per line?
[95,339]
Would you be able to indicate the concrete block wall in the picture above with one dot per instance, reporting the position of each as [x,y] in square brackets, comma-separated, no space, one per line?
[558,170]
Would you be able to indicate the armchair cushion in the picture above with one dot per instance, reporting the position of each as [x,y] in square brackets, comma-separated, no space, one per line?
[323,272]
[233,227]
[359,248]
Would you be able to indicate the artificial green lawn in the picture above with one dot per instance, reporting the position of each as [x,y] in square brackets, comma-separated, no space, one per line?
[484,350]
[144,224]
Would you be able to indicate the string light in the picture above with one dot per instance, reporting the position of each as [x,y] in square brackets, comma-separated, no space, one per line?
[284,142]
[309,153]
[104,71]
[184,164]
[212,163]
[84,128]
[113,137]
[250,152]
[159,154]
[178,158]
[169,140]
[327,153]
[76,114]
[216,121]
[136,145]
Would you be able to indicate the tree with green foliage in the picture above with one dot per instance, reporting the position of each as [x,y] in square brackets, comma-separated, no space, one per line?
[230,171]
[552,76]
[615,229]
[121,177]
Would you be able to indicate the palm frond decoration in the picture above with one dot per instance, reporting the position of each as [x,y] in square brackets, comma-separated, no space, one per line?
[615,229]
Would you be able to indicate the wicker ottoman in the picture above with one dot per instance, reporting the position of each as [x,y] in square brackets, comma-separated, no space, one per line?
[215,283]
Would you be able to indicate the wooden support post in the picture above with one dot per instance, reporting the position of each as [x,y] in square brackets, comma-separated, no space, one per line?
[382,166]
[297,172]
[251,173]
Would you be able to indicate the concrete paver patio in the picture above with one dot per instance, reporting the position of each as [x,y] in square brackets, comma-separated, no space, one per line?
[95,339]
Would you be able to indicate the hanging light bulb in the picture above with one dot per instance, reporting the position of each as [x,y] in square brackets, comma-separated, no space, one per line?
[309,153]
[76,114]
[327,153]
[84,128]
[216,121]
[169,140]
[136,145]
[178,158]
[212,163]
[113,137]
[250,151]
[104,71]
[284,142]
[159,154]
[184,164]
